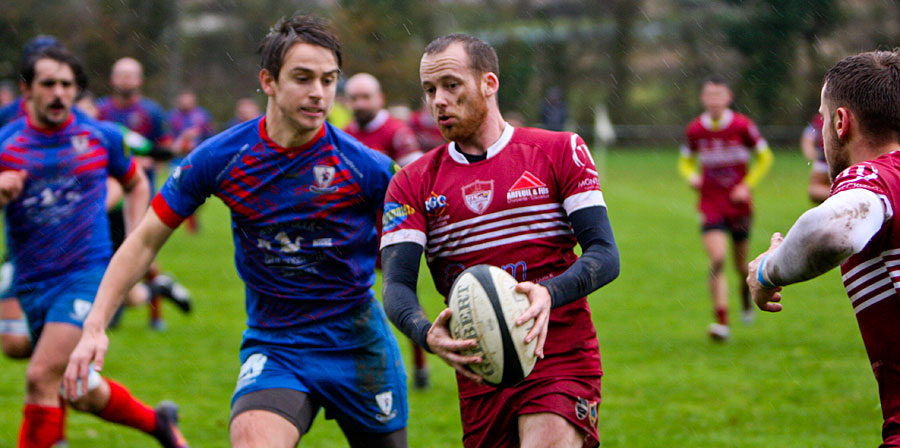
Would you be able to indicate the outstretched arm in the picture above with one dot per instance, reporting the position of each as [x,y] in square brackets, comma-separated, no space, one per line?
[821,239]
[127,266]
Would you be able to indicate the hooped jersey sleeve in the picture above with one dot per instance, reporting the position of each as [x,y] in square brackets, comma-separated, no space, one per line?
[865,176]
[579,184]
[404,212]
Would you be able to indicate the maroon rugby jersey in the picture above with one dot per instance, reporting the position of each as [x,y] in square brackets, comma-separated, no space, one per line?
[510,210]
[872,280]
[387,135]
[723,149]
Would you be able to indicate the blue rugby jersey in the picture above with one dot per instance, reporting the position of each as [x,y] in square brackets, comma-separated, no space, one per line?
[12,110]
[303,219]
[58,223]
[145,117]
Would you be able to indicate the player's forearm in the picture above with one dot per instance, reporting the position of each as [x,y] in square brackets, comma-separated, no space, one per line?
[687,167]
[127,267]
[823,237]
[809,148]
[599,261]
[400,269]
[137,200]
[760,168]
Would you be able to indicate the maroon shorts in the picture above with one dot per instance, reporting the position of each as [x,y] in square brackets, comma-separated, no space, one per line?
[718,213]
[491,420]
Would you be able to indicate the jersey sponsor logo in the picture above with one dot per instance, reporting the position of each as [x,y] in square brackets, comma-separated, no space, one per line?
[526,188]
[435,205]
[80,309]
[582,409]
[251,369]
[590,182]
[385,401]
[394,215]
[478,195]
[324,176]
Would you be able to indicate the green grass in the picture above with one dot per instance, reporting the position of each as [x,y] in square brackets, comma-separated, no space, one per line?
[796,378]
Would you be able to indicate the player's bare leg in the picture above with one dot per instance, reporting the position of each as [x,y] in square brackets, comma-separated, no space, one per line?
[819,186]
[716,243]
[14,335]
[741,249]
[546,430]
[262,429]
[43,424]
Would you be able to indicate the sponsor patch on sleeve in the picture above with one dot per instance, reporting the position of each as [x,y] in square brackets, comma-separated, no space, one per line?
[394,215]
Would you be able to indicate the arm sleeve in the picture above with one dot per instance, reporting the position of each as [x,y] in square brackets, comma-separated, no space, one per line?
[599,261]
[763,159]
[687,164]
[400,266]
[825,236]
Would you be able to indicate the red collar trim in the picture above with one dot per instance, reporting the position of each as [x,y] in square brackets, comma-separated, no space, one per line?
[53,130]
[279,148]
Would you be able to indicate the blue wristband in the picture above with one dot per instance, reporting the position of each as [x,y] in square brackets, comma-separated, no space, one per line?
[759,274]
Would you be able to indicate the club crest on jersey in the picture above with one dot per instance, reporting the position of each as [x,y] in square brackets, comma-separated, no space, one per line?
[394,215]
[528,187]
[435,204]
[478,195]
[80,143]
[324,176]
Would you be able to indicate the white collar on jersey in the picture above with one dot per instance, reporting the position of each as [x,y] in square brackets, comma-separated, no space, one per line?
[707,121]
[380,119]
[501,142]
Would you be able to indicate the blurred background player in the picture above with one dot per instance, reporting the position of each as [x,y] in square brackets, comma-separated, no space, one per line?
[127,106]
[8,92]
[723,142]
[856,227]
[374,126]
[245,109]
[53,173]
[190,124]
[813,146]
[304,243]
[428,134]
[519,199]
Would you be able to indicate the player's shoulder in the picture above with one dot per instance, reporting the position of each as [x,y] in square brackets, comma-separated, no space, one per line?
[430,161]
[540,136]
[742,120]
[12,129]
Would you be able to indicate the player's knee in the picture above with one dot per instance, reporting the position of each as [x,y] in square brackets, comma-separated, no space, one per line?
[15,346]
[716,265]
[42,379]
[548,430]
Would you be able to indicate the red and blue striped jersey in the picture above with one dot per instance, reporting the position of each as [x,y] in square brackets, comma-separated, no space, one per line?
[303,218]
[59,221]
[145,117]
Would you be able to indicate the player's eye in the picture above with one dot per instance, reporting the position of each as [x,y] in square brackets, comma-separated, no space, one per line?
[429,90]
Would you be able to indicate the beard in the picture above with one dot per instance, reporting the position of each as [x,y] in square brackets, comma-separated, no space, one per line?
[466,126]
[836,154]
[364,117]
[125,92]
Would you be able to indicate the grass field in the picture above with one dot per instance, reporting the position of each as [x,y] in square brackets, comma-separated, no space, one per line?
[796,378]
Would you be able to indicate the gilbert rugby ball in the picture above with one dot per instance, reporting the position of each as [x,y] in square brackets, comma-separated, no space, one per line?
[485,307]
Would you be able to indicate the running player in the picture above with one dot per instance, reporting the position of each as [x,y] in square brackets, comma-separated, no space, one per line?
[53,170]
[515,198]
[855,227]
[189,123]
[127,106]
[374,126]
[304,197]
[723,141]
[813,147]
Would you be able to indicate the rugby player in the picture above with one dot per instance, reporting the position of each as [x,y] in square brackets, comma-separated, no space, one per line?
[812,144]
[304,197]
[515,198]
[723,141]
[855,227]
[53,170]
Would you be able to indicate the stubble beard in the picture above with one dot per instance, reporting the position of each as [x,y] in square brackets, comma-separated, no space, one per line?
[466,128]
[839,160]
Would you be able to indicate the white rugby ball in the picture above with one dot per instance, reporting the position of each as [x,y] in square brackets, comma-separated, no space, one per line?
[485,307]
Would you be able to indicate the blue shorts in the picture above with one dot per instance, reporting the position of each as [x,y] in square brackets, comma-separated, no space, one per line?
[350,365]
[64,299]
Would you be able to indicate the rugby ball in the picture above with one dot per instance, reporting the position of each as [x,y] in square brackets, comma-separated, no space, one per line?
[485,307]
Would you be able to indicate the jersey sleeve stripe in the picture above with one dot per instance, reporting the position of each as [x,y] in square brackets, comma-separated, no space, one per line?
[129,174]
[403,236]
[165,212]
[582,200]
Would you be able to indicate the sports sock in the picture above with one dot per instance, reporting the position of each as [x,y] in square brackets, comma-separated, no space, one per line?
[126,410]
[155,308]
[722,315]
[41,427]
[419,356]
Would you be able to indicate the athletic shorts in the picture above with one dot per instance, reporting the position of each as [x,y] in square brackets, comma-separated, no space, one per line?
[491,419]
[721,214]
[350,365]
[65,299]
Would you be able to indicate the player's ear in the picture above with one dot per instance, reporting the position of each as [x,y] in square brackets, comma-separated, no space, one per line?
[489,84]
[267,82]
[842,117]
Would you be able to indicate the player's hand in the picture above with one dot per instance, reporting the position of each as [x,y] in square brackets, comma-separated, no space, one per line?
[539,311]
[12,182]
[766,298]
[696,182]
[740,194]
[91,348]
[442,344]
